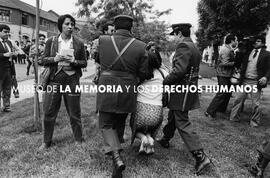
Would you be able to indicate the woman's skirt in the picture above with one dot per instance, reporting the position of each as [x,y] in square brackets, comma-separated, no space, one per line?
[146,119]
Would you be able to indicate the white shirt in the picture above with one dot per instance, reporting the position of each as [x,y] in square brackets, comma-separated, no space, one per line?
[251,71]
[64,44]
[152,93]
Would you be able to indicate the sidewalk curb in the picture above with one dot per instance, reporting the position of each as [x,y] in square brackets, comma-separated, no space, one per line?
[30,82]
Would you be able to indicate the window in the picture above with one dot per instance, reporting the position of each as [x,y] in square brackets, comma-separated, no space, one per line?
[24,19]
[4,15]
[44,23]
[55,28]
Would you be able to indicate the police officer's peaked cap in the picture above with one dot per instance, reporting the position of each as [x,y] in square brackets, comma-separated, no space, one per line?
[180,26]
[123,18]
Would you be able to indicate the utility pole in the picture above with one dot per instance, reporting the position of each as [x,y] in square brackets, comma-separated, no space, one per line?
[37,121]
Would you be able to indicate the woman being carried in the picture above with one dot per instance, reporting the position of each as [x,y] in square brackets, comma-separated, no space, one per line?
[149,112]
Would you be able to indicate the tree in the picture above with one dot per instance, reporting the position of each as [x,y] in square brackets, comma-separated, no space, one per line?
[240,17]
[88,32]
[138,9]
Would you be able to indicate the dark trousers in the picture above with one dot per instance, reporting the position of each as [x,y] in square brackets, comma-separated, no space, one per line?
[112,126]
[14,86]
[29,63]
[179,120]
[19,58]
[221,100]
[5,88]
[52,103]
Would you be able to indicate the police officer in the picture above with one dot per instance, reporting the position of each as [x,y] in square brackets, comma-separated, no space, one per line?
[122,71]
[185,70]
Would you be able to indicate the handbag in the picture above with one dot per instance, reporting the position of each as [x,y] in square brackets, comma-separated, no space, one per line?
[44,77]
[165,95]
[235,78]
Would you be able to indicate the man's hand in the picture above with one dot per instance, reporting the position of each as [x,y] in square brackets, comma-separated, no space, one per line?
[69,59]
[263,81]
[58,58]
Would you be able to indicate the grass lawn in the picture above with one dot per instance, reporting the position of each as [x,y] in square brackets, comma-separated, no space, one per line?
[230,145]
[206,71]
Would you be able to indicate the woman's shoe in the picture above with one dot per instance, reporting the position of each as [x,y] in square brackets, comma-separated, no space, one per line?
[150,149]
[144,145]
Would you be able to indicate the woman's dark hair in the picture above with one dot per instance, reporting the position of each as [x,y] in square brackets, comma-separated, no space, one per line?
[154,63]
[150,44]
[61,20]
[229,38]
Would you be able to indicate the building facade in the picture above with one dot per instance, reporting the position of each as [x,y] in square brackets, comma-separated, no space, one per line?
[21,19]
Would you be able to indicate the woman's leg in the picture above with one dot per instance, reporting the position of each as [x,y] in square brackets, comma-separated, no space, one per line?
[150,148]
[144,141]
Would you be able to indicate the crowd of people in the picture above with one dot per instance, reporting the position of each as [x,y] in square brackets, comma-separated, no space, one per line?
[124,60]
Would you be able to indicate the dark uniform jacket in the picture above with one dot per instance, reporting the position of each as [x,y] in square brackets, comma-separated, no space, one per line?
[263,66]
[51,48]
[136,70]
[4,61]
[185,70]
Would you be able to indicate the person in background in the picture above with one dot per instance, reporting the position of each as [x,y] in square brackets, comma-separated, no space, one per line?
[255,71]
[23,56]
[26,50]
[41,47]
[225,67]
[107,29]
[32,55]
[87,57]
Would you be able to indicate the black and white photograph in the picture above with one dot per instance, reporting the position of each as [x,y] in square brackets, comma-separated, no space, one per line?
[134,88]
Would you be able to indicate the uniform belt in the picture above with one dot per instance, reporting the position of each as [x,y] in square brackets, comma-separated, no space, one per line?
[117,73]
